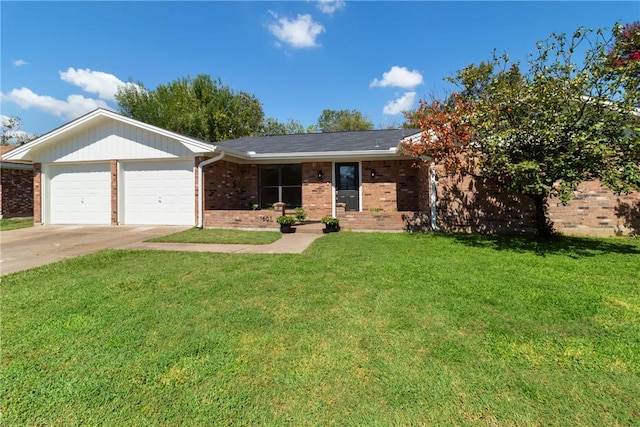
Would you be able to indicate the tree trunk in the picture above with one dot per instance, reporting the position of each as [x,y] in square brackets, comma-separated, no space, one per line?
[543,225]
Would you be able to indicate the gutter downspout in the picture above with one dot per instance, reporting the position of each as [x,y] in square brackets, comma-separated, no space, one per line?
[201,187]
[432,195]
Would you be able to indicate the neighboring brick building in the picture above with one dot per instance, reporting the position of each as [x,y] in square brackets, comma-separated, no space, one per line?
[16,187]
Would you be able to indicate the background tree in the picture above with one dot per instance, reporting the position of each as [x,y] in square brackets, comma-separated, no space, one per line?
[541,131]
[343,121]
[199,107]
[272,126]
[624,57]
[10,133]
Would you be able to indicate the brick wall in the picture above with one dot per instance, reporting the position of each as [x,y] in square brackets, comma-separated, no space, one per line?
[378,221]
[393,188]
[316,192]
[241,219]
[597,210]
[230,185]
[474,205]
[467,204]
[17,192]
[113,167]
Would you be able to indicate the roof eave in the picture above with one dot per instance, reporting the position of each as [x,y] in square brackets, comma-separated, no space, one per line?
[329,155]
[194,145]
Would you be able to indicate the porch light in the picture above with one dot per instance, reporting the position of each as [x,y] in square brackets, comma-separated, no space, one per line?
[373,173]
[320,174]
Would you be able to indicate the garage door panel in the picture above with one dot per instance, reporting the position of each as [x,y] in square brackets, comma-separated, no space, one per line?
[160,193]
[80,194]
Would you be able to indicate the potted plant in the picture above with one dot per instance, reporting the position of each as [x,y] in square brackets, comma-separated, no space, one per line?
[286,223]
[331,224]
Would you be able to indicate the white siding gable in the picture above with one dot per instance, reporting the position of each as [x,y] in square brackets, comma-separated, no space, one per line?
[111,139]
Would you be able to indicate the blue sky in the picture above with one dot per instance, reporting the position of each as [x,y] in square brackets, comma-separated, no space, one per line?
[60,60]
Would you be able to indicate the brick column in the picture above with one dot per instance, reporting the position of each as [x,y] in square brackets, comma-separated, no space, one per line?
[37,193]
[114,192]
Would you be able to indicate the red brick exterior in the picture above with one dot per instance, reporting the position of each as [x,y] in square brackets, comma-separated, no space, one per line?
[230,185]
[398,198]
[17,192]
[113,165]
[597,210]
[241,219]
[37,193]
[393,188]
[479,206]
[316,192]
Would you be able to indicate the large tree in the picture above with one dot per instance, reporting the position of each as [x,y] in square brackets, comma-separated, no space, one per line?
[272,126]
[198,107]
[10,133]
[342,121]
[541,129]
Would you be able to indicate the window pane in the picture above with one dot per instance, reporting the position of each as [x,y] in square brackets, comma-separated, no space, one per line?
[292,174]
[292,196]
[268,196]
[269,175]
[347,179]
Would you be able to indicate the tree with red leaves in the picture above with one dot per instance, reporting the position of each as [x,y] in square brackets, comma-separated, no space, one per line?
[540,130]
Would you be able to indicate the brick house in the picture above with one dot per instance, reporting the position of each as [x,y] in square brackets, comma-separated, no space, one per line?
[16,186]
[104,168]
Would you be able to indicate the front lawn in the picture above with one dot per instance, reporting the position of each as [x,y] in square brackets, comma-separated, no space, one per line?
[7,224]
[220,235]
[361,329]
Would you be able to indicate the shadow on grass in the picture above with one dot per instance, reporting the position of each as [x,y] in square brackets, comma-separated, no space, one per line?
[572,246]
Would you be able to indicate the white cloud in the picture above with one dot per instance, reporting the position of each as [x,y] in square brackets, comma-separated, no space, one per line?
[104,84]
[330,6]
[19,62]
[72,107]
[398,77]
[298,33]
[404,103]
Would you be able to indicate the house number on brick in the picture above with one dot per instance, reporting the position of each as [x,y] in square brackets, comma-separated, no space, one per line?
[265,218]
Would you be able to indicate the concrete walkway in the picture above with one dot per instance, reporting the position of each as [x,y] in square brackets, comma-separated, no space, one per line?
[294,243]
[39,245]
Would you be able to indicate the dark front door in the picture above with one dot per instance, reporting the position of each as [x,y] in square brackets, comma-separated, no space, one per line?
[347,185]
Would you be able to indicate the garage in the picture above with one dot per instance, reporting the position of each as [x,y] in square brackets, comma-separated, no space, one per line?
[79,193]
[105,168]
[158,193]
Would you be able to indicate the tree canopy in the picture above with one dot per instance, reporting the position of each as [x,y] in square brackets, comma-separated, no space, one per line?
[541,129]
[272,126]
[198,107]
[342,121]
[10,133]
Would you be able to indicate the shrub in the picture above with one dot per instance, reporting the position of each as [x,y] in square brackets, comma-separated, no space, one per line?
[286,220]
[301,214]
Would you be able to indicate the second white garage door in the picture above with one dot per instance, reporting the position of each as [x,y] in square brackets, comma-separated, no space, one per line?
[159,193]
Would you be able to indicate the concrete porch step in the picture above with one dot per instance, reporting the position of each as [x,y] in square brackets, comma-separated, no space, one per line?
[314,227]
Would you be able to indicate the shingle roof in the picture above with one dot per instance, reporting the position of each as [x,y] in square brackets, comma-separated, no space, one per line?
[371,140]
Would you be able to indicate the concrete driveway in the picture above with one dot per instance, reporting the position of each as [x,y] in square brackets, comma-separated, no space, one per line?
[35,246]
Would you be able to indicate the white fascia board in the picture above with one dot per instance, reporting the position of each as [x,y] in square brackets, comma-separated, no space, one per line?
[194,145]
[330,155]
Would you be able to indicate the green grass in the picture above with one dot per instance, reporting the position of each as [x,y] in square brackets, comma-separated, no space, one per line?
[361,329]
[219,235]
[7,224]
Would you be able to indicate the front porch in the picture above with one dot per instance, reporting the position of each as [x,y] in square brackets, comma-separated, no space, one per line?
[390,195]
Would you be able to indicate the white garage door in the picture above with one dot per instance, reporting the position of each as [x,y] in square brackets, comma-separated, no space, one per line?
[80,194]
[160,193]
